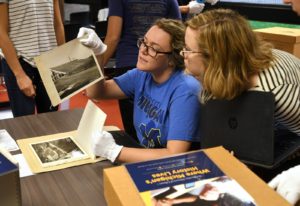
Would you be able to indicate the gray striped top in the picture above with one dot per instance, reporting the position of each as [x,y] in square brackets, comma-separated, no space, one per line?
[31,27]
[283,80]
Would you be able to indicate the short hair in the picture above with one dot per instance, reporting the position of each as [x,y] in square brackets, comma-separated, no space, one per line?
[232,52]
[176,30]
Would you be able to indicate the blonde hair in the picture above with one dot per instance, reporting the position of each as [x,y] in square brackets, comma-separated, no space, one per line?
[232,52]
[175,28]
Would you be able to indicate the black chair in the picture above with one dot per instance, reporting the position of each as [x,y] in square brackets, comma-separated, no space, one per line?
[101,29]
[126,109]
[95,6]
[80,18]
[71,30]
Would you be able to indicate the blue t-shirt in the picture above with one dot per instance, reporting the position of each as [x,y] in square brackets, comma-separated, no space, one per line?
[162,112]
[138,16]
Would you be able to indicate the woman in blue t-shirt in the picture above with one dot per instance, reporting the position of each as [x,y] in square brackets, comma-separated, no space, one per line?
[127,21]
[166,107]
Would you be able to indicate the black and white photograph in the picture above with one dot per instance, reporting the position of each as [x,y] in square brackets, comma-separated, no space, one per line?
[67,70]
[58,151]
[73,75]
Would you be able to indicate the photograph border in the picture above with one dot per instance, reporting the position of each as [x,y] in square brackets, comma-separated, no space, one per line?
[58,162]
[59,56]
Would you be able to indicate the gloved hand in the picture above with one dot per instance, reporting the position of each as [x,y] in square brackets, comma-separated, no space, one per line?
[195,7]
[212,2]
[105,146]
[89,38]
[287,184]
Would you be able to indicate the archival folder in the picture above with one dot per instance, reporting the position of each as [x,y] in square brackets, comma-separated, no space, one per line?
[62,150]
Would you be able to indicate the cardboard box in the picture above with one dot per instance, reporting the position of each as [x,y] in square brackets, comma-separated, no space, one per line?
[286,39]
[119,188]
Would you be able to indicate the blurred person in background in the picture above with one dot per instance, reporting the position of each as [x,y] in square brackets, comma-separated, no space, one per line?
[295,5]
[28,28]
[129,20]
[189,8]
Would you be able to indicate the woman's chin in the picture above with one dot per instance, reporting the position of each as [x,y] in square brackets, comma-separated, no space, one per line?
[186,71]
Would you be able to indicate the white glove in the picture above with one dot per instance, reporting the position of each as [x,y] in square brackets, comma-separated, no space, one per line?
[195,7]
[89,38]
[105,146]
[287,184]
[212,2]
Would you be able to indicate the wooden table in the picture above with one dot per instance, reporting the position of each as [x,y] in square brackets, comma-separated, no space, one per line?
[81,185]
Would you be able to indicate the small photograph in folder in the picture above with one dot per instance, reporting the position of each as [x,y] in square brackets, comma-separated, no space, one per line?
[68,149]
[58,151]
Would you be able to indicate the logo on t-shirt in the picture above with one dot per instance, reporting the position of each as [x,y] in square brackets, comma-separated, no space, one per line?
[151,135]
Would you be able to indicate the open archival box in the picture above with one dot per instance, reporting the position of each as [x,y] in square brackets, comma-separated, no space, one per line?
[67,70]
[204,177]
[189,179]
[62,150]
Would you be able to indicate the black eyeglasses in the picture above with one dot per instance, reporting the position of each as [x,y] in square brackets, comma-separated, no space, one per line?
[150,50]
[184,52]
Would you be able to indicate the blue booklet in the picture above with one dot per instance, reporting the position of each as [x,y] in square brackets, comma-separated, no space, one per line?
[6,165]
[189,179]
